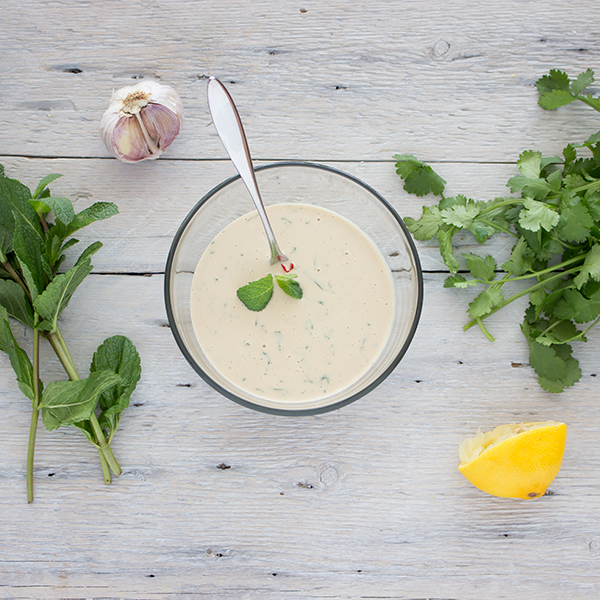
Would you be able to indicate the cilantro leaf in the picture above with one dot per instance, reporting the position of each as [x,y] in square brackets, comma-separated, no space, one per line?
[575,223]
[419,178]
[582,81]
[483,304]
[574,305]
[521,259]
[481,268]
[256,294]
[444,236]
[537,215]
[427,226]
[289,285]
[591,267]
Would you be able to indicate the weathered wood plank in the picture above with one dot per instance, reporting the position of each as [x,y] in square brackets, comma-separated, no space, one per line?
[453,80]
[341,505]
[154,198]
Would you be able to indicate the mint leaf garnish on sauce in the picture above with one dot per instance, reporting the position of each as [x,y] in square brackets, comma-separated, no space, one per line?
[257,294]
[289,285]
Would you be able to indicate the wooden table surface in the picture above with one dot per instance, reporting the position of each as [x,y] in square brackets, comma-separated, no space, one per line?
[216,500]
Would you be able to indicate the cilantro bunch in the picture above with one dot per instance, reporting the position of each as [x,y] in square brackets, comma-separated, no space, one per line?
[33,292]
[555,220]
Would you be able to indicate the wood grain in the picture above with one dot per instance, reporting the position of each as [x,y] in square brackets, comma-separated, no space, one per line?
[215,500]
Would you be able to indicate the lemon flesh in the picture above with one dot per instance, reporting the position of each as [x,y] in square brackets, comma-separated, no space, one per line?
[519,460]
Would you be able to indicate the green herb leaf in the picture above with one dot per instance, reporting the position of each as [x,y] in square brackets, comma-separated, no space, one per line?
[419,178]
[95,212]
[481,268]
[537,215]
[427,226]
[48,179]
[483,304]
[29,254]
[18,358]
[62,208]
[289,285]
[119,355]
[53,300]
[68,402]
[591,267]
[444,237]
[256,294]
[14,300]
[582,81]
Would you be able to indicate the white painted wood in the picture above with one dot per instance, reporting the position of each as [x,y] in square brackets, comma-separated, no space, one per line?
[445,80]
[363,502]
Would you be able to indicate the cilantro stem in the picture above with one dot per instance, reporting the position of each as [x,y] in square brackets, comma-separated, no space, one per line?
[487,334]
[107,458]
[566,263]
[499,227]
[35,413]
[521,294]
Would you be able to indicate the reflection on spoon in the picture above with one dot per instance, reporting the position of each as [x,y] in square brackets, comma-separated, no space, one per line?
[228,124]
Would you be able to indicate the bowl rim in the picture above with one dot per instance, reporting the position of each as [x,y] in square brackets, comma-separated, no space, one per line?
[281,411]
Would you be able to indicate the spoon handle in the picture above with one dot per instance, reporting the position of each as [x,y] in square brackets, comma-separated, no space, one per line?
[228,124]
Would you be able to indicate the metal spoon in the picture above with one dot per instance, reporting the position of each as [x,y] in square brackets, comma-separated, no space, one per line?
[228,124]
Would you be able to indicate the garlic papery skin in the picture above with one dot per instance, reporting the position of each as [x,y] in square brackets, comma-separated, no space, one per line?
[141,121]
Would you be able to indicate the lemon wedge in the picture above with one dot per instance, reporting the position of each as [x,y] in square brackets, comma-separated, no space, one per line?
[518,460]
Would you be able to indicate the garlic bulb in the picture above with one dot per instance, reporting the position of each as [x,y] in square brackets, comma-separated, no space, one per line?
[141,121]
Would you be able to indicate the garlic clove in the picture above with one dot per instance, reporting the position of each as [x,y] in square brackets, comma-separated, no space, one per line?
[128,144]
[141,121]
[160,124]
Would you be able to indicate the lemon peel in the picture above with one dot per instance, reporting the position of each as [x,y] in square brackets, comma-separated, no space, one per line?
[517,460]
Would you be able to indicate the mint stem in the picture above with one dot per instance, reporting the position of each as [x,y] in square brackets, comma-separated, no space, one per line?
[105,452]
[35,413]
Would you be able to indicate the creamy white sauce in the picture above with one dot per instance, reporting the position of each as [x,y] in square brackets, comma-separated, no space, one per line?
[294,349]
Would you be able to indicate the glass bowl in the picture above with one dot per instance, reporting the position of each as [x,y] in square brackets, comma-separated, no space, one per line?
[306,183]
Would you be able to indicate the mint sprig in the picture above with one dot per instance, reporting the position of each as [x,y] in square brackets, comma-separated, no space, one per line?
[555,221]
[257,294]
[32,248]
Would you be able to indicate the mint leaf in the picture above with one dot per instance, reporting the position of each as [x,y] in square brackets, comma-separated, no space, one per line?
[48,179]
[119,355]
[14,300]
[289,285]
[419,178]
[95,212]
[68,402]
[29,254]
[256,294]
[62,208]
[18,358]
[53,300]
